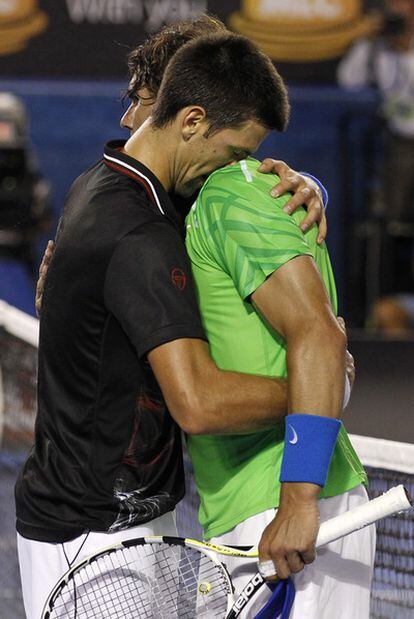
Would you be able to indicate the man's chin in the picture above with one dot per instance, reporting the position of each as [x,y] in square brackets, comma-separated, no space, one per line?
[186,191]
[189,189]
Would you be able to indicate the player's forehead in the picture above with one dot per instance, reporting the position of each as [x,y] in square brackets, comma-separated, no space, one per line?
[137,86]
[136,90]
[133,83]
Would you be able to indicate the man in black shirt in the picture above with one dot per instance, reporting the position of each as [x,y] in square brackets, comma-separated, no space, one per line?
[147,64]
[119,307]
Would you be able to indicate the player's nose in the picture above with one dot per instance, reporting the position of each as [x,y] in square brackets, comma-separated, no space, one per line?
[125,122]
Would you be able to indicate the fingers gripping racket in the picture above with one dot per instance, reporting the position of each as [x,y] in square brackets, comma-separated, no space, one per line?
[170,578]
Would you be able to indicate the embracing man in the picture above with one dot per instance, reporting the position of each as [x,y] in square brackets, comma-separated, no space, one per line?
[120,317]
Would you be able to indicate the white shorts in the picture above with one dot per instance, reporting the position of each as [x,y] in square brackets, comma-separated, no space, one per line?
[42,564]
[336,585]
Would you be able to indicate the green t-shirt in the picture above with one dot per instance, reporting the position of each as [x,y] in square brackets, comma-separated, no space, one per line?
[237,235]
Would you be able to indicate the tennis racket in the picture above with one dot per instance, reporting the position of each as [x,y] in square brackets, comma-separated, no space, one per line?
[163,577]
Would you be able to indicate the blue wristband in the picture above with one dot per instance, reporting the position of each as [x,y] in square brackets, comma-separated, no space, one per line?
[309,444]
[324,192]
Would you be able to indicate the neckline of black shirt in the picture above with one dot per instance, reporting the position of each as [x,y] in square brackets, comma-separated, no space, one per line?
[122,163]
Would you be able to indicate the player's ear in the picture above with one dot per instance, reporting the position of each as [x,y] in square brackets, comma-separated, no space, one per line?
[193,121]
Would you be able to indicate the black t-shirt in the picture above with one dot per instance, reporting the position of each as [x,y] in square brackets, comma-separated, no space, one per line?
[107,454]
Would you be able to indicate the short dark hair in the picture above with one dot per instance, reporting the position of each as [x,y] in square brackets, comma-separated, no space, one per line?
[147,63]
[229,77]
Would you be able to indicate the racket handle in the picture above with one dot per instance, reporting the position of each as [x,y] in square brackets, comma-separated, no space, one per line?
[395,500]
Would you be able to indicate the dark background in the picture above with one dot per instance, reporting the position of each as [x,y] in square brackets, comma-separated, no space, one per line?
[89,38]
[81,41]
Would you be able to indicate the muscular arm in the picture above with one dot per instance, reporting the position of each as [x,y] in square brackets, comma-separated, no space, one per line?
[163,324]
[294,301]
[206,400]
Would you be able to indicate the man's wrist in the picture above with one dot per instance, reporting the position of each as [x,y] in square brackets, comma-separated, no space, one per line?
[321,187]
[299,492]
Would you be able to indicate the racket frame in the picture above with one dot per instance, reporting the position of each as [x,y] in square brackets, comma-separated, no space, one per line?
[391,502]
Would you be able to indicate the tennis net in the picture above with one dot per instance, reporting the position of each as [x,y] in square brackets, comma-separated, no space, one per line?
[388,463]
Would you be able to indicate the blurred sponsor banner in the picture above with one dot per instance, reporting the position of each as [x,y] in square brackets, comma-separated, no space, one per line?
[20,20]
[81,38]
[90,38]
[302,30]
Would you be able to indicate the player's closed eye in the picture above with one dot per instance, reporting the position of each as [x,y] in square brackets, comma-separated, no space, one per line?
[137,99]
[134,98]
[240,154]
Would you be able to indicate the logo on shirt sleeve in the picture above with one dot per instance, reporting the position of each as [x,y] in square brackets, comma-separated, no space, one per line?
[178,278]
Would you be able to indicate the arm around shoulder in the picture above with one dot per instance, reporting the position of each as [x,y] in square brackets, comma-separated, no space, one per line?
[294,301]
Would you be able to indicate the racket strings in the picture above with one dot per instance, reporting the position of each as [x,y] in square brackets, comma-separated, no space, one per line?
[150,581]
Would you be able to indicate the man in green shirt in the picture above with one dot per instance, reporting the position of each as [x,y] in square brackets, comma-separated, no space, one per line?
[267,310]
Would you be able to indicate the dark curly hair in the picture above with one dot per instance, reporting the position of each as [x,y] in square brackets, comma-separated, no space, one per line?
[147,63]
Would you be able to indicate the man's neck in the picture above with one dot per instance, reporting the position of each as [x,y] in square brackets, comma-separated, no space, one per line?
[151,148]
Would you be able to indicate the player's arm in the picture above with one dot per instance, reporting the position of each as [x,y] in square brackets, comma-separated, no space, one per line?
[206,400]
[161,319]
[294,301]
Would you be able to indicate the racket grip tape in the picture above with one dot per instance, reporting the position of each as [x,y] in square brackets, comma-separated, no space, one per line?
[395,500]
